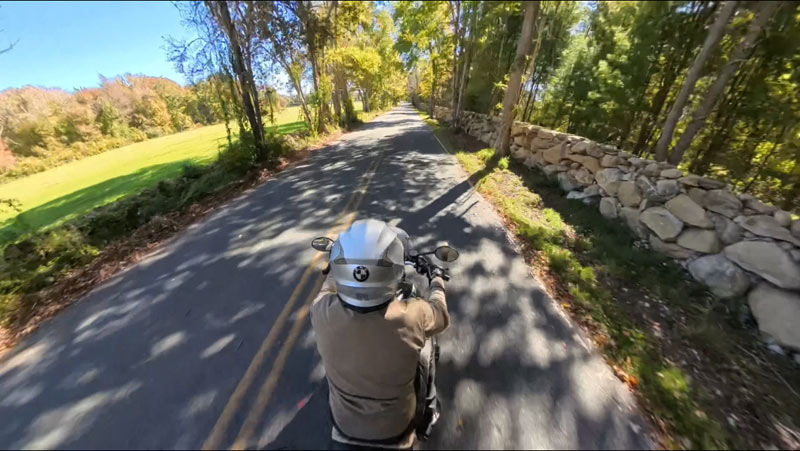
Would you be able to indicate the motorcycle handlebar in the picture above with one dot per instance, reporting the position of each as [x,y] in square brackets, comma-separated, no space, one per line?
[425,267]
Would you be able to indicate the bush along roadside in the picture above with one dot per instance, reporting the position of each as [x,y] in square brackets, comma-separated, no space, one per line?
[692,360]
[43,272]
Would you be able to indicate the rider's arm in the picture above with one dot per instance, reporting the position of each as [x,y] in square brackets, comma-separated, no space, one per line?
[435,317]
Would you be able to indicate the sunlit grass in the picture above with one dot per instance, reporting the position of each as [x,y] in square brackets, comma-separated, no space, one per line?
[575,261]
[54,196]
[39,260]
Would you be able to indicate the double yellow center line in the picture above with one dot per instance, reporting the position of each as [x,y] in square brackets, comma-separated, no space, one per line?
[214,440]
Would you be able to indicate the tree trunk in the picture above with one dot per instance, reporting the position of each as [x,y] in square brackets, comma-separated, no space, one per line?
[347,104]
[299,90]
[342,104]
[288,63]
[515,79]
[364,100]
[316,58]
[563,101]
[725,119]
[337,107]
[236,93]
[667,81]
[271,106]
[248,73]
[465,71]
[455,6]
[528,113]
[764,12]
[540,29]
[215,82]
[337,96]
[528,98]
[312,56]
[432,103]
[713,37]
[243,73]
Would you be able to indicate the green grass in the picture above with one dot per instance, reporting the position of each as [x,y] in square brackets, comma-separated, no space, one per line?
[141,205]
[585,255]
[57,195]
[39,260]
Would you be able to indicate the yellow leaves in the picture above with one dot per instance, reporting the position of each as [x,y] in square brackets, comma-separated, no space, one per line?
[631,379]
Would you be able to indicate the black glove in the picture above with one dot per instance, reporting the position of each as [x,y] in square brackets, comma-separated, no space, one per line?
[422,266]
[428,270]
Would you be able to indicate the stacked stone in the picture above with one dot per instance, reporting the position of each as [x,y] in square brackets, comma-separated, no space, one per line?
[734,244]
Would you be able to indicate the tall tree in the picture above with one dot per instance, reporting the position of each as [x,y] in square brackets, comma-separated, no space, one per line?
[280,32]
[713,37]
[456,13]
[515,78]
[352,23]
[473,10]
[423,33]
[241,61]
[764,12]
[315,18]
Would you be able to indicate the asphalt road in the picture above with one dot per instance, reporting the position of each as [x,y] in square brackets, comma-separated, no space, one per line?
[153,358]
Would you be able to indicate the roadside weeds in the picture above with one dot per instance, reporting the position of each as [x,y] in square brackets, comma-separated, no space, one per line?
[697,369]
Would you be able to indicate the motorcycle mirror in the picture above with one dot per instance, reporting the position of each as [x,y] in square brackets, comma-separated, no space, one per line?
[322,244]
[446,254]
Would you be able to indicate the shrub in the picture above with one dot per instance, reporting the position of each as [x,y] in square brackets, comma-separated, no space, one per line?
[277,144]
[485,154]
[48,252]
[34,263]
[191,171]
[209,183]
[106,223]
[239,157]
[503,163]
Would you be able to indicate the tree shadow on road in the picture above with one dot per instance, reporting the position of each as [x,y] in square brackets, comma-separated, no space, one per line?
[150,359]
[514,373]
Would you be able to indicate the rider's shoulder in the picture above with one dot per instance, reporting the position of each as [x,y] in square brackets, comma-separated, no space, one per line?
[409,305]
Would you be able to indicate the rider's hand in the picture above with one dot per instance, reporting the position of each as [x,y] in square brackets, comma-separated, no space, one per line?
[422,266]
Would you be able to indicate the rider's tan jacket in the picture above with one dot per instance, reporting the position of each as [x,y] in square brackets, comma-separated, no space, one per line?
[371,358]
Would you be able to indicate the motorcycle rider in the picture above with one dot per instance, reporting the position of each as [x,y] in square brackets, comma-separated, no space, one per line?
[376,348]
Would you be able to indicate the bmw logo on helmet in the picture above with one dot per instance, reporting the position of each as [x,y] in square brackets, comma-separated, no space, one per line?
[361,273]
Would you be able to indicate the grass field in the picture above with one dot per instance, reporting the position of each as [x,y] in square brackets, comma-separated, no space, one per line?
[51,197]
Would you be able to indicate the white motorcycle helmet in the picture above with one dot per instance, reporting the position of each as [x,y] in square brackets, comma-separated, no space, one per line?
[367,263]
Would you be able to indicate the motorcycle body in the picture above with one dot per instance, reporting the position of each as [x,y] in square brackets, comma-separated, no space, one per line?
[424,265]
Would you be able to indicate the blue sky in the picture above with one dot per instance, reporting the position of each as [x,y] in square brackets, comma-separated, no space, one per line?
[67,45]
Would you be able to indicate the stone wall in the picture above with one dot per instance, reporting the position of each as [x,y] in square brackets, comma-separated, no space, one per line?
[735,244]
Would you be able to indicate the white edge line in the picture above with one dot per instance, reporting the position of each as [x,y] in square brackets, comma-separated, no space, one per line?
[436,137]
[440,143]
